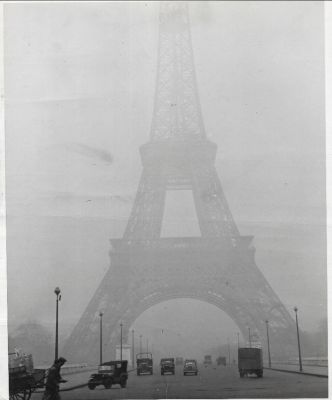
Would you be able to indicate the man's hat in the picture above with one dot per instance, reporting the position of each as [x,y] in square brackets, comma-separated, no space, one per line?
[61,359]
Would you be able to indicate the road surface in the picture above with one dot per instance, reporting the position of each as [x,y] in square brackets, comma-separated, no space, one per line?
[211,383]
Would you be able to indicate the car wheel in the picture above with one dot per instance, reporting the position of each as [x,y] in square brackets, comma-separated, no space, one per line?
[91,387]
[108,385]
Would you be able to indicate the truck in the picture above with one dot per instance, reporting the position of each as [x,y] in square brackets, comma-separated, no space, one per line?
[207,360]
[144,363]
[250,361]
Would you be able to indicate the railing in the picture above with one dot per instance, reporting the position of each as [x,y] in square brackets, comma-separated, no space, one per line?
[309,361]
[314,361]
[71,368]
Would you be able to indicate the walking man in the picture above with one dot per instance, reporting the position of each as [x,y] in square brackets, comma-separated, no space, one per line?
[53,380]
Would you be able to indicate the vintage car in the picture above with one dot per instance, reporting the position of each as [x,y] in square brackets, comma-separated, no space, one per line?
[221,360]
[207,360]
[167,366]
[190,367]
[110,373]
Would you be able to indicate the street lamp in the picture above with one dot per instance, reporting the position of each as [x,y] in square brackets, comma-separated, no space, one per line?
[140,343]
[298,338]
[238,340]
[268,342]
[132,347]
[101,339]
[57,291]
[229,353]
[121,343]
[147,345]
[249,336]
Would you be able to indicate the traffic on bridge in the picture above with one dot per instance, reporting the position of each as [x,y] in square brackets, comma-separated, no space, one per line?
[212,382]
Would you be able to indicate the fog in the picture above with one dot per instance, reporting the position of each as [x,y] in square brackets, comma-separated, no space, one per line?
[79,82]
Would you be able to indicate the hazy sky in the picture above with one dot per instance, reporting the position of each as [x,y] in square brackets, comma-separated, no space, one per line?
[79,82]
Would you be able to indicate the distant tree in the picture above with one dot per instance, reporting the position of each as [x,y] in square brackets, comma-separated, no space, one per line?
[33,339]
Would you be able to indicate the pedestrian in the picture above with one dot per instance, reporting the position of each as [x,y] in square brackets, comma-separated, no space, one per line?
[53,380]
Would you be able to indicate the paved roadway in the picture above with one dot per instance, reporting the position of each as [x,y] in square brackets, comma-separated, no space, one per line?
[212,382]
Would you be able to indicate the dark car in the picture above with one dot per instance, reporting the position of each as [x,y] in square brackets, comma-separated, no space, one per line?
[190,367]
[110,373]
[144,363]
[167,366]
[207,360]
[221,360]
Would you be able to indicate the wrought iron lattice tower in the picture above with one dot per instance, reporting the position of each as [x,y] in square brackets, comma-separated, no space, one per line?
[217,267]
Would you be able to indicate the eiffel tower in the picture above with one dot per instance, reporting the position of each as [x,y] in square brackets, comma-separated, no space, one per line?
[217,267]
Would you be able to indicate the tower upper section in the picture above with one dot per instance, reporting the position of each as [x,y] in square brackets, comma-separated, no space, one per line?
[177,111]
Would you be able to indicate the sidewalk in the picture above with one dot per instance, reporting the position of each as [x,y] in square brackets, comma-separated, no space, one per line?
[307,369]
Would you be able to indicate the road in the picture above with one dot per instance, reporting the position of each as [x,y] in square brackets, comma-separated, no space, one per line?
[211,383]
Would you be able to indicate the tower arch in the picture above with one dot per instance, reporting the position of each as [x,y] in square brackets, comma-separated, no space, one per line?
[234,312]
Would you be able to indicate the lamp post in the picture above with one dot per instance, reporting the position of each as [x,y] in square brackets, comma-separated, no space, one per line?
[249,336]
[101,339]
[229,353]
[268,342]
[132,347]
[121,343]
[140,343]
[238,340]
[298,339]
[147,345]
[57,291]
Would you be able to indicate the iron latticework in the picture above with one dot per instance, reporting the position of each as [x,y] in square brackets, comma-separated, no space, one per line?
[177,112]
[219,266]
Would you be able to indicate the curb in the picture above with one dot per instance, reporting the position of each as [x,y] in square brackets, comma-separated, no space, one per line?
[297,372]
[73,387]
[64,390]
[77,371]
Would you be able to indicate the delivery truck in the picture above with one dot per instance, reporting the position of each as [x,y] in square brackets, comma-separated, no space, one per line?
[250,361]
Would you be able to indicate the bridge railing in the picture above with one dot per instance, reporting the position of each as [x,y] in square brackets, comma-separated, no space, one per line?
[71,368]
